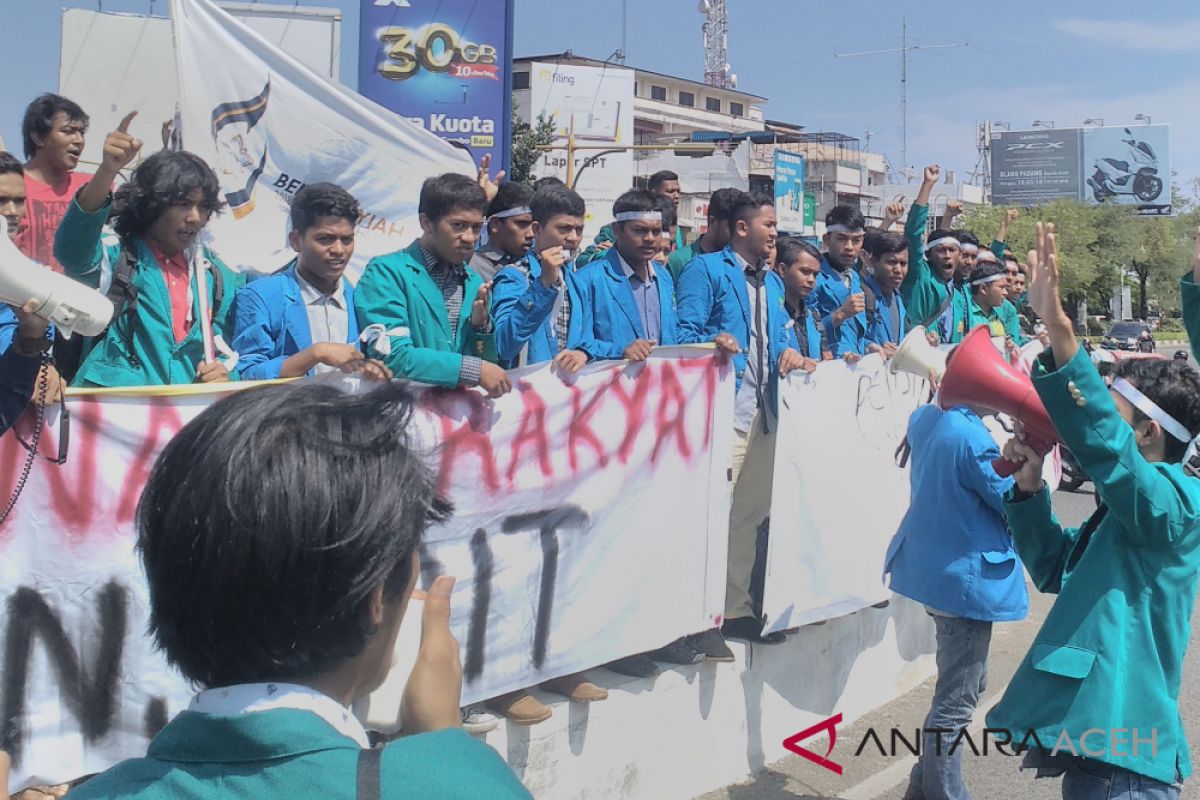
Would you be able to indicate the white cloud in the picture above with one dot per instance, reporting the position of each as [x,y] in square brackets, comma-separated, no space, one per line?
[1175,37]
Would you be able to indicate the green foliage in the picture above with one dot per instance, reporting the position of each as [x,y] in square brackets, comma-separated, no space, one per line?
[525,153]
[1171,325]
[1096,327]
[1096,244]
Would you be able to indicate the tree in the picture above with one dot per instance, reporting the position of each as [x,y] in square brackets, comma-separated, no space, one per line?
[1158,255]
[525,142]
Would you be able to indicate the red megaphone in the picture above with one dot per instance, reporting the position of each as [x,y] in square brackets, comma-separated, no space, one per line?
[979,377]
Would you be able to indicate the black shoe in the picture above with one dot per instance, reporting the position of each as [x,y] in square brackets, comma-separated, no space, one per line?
[636,666]
[679,652]
[712,645]
[748,629]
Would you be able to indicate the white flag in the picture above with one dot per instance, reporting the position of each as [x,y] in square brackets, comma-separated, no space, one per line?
[268,125]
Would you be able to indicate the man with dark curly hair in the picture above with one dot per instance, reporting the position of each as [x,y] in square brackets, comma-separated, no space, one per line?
[174,313]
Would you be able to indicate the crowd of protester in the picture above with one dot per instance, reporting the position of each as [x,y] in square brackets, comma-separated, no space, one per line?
[451,311]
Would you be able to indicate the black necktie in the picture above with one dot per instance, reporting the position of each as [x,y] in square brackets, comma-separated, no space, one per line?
[756,278]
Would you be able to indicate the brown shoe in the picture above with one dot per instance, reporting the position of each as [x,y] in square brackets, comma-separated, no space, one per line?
[577,687]
[520,708]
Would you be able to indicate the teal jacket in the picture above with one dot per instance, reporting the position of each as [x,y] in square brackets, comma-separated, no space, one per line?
[1110,653]
[292,753]
[155,360]
[1190,293]
[397,292]
[922,290]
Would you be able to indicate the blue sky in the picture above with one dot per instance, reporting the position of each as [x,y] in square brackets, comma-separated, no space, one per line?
[1026,59]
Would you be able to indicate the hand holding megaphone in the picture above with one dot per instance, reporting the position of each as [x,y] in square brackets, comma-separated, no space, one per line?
[70,305]
[1017,451]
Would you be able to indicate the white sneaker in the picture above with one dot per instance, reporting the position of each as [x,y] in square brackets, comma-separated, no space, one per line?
[477,720]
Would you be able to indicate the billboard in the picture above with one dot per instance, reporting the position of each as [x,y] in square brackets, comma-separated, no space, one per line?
[1125,165]
[1130,166]
[1032,167]
[444,64]
[789,191]
[598,103]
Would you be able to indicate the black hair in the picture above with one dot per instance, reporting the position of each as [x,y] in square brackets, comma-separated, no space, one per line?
[1174,386]
[789,248]
[985,269]
[721,203]
[162,180]
[849,216]
[543,183]
[661,177]
[746,206]
[270,519]
[39,118]
[9,164]
[317,200]
[509,194]
[884,243]
[943,233]
[635,200]
[444,194]
[669,217]
[965,237]
[552,201]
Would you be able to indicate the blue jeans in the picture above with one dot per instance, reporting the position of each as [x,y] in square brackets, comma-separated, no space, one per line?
[962,653]
[1089,780]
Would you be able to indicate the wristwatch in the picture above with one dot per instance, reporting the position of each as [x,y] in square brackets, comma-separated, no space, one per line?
[1020,495]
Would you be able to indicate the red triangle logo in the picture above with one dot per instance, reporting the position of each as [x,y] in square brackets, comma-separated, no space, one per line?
[829,726]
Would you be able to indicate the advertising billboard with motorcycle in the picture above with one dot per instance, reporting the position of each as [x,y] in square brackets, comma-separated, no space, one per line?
[1118,164]
[444,64]
[1128,165]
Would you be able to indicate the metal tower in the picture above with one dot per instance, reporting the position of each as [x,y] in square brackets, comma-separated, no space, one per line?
[716,43]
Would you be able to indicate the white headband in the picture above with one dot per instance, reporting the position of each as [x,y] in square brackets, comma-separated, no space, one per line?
[968,248]
[842,229]
[511,212]
[1151,409]
[638,216]
[999,276]
[941,241]
[987,257]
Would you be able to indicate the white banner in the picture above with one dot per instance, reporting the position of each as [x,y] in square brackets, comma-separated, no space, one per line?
[838,493]
[269,125]
[570,499]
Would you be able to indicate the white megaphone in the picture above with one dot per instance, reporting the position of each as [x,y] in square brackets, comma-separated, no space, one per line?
[71,306]
[917,356]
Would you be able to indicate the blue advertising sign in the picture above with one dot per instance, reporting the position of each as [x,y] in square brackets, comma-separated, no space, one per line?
[789,191]
[444,64]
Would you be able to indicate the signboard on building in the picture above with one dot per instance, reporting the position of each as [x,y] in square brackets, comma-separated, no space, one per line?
[444,64]
[789,191]
[1124,165]
[597,104]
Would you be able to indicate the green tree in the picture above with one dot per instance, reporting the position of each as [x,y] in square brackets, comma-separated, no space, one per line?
[1159,257]
[525,143]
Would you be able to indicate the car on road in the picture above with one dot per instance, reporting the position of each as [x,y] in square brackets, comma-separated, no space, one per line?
[1129,336]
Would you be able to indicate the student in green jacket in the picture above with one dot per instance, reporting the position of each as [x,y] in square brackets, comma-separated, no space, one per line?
[279,533]
[716,234]
[160,335]
[427,311]
[1096,699]
[928,288]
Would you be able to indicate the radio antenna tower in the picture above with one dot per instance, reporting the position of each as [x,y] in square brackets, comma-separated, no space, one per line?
[717,71]
[904,49]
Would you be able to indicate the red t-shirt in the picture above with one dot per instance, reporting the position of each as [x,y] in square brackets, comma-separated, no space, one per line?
[45,207]
[175,273]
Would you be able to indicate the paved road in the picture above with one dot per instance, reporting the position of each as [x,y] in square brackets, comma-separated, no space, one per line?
[871,776]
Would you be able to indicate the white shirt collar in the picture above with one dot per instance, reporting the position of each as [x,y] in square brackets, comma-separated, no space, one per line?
[311,295]
[250,698]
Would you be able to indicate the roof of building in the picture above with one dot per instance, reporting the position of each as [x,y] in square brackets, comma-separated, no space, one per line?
[572,57]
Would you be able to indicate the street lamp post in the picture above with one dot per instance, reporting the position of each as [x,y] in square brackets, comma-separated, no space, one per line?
[1094,121]
[1142,118]
[1043,123]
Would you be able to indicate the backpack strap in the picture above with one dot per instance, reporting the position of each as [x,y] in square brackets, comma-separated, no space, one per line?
[369,774]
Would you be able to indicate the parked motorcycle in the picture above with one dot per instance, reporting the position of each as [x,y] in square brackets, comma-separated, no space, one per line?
[1136,176]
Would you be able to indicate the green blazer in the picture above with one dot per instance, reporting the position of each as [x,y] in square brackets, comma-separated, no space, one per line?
[397,291]
[292,753]
[1190,293]
[85,254]
[1110,653]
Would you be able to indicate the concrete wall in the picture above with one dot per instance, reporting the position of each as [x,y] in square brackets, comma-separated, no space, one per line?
[693,729]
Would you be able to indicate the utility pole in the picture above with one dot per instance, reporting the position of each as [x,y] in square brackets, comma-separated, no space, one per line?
[904,49]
